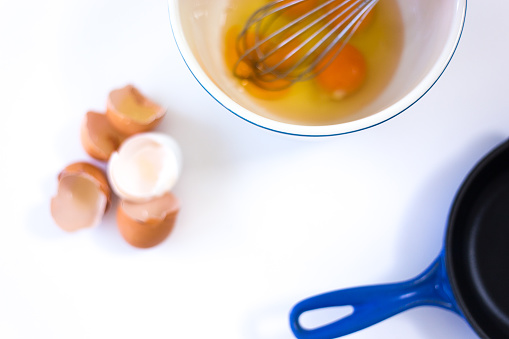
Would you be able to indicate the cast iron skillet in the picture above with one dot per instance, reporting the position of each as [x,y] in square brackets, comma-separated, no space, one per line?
[469,277]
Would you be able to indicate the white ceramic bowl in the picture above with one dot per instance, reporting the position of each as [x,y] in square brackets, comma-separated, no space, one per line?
[432,30]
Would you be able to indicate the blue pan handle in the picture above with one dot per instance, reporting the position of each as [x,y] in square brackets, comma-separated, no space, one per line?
[372,304]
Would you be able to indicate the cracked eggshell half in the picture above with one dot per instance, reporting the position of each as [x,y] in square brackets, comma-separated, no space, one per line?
[98,137]
[82,198]
[147,224]
[130,112]
[146,166]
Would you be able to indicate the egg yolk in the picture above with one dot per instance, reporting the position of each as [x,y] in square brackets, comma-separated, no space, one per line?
[345,74]
[269,90]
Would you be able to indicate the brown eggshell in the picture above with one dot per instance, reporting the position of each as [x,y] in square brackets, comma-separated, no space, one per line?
[87,169]
[147,224]
[82,198]
[130,112]
[98,137]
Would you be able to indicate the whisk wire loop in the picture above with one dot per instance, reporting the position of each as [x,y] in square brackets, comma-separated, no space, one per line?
[356,18]
[281,51]
[306,74]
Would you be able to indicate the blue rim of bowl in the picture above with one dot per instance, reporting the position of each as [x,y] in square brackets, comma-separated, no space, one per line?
[325,135]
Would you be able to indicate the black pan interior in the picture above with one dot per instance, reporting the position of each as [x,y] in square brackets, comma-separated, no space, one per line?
[477,246]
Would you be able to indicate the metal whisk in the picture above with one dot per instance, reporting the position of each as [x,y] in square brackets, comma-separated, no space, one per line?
[281,51]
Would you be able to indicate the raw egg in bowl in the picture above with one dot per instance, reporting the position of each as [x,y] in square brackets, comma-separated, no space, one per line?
[391,61]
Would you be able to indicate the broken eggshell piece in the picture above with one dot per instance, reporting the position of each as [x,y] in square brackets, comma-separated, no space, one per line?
[82,198]
[98,137]
[131,112]
[147,224]
[146,166]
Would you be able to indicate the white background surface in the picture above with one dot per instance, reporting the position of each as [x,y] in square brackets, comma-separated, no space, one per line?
[267,220]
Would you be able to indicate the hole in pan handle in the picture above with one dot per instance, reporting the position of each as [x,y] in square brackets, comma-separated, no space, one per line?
[372,304]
